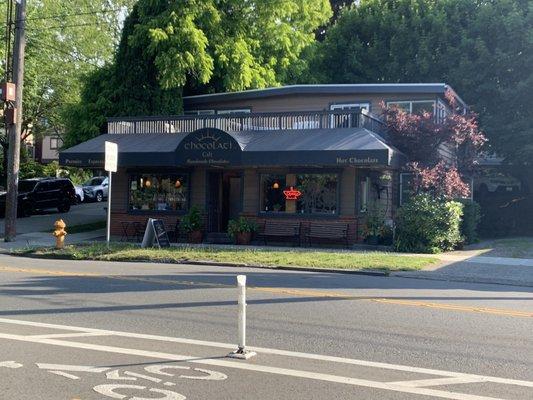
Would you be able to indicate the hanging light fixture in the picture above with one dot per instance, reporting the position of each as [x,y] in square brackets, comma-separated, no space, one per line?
[177,185]
[275,185]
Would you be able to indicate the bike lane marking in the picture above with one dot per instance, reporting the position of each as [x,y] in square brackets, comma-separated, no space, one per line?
[255,367]
[278,352]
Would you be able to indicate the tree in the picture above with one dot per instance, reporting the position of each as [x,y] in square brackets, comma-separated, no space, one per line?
[483,48]
[199,46]
[422,138]
[64,41]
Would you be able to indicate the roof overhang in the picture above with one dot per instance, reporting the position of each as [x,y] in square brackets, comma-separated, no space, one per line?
[213,147]
[322,89]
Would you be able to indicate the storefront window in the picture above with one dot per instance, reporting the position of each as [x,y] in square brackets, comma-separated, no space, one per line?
[159,192]
[299,193]
[272,197]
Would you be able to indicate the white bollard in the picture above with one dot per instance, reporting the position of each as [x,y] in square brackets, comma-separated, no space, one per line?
[241,352]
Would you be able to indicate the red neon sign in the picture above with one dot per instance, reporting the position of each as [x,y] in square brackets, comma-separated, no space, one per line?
[292,194]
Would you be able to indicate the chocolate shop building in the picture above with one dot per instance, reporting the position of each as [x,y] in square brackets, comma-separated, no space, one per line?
[306,154]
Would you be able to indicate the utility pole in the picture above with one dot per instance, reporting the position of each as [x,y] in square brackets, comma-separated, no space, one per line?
[15,129]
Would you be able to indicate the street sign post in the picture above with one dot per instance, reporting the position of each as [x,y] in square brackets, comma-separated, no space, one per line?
[110,165]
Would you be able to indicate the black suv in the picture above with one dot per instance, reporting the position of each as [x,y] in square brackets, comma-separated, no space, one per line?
[42,193]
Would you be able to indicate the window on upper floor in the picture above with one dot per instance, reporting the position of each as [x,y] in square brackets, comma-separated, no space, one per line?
[234,111]
[414,106]
[350,106]
[55,143]
[199,112]
[218,112]
[351,118]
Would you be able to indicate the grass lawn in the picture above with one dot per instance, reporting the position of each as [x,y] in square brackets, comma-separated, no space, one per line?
[264,257]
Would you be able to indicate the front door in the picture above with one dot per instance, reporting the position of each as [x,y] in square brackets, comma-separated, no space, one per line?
[214,192]
[223,199]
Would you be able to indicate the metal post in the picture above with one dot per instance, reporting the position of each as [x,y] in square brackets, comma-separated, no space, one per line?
[108,236]
[241,283]
[241,351]
[15,130]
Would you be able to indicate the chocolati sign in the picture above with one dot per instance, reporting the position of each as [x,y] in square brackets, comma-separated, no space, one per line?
[209,146]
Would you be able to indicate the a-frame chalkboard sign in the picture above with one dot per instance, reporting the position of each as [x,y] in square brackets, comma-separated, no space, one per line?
[155,234]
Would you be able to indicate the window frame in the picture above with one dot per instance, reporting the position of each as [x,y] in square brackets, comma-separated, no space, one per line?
[231,111]
[368,186]
[283,214]
[350,106]
[411,102]
[131,174]
[199,112]
[56,140]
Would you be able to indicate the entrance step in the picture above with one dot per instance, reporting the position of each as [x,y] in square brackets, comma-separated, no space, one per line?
[218,238]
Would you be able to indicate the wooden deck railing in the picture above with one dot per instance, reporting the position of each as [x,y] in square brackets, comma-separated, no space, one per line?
[248,122]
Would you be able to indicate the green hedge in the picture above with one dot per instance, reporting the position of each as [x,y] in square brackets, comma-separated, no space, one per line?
[428,225]
[470,222]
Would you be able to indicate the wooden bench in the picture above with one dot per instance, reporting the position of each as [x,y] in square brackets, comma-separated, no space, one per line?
[282,230]
[331,231]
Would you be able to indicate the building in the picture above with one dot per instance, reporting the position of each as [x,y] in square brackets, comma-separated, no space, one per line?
[301,153]
[47,148]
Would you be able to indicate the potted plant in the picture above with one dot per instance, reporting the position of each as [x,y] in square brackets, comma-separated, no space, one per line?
[192,224]
[373,227]
[240,230]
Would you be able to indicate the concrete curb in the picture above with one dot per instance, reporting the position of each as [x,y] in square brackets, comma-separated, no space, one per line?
[289,268]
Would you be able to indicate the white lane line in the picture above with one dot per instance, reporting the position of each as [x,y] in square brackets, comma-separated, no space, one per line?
[10,364]
[68,335]
[253,367]
[286,353]
[437,382]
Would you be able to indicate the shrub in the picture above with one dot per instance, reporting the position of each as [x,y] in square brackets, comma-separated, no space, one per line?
[470,221]
[241,225]
[428,225]
[192,221]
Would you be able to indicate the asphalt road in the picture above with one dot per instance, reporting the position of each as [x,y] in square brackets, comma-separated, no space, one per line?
[83,213]
[91,330]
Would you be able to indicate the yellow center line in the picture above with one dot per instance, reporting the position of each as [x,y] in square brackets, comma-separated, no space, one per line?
[286,291]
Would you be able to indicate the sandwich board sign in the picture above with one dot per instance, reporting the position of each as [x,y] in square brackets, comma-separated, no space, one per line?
[155,233]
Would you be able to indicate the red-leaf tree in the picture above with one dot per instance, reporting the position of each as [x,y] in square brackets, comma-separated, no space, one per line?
[441,147]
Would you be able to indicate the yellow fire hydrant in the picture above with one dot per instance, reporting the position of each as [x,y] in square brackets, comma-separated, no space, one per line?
[60,233]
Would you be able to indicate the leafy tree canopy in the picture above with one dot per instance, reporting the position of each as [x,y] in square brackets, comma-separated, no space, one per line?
[195,46]
[483,48]
[65,39]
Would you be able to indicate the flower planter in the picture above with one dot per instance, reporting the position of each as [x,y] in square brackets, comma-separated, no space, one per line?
[243,238]
[195,237]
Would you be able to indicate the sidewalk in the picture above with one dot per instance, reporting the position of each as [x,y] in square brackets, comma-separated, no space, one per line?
[469,266]
[42,239]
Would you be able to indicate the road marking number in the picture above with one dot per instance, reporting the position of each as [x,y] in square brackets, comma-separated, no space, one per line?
[109,391]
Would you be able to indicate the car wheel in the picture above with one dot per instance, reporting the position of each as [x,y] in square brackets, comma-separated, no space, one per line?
[64,207]
[99,197]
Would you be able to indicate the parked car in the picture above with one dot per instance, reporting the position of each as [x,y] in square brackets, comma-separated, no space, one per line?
[41,194]
[80,196]
[96,189]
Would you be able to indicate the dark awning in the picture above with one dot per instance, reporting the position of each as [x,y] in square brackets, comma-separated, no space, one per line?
[317,147]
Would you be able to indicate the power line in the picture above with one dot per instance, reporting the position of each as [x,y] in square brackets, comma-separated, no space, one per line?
[67,53]
[75,15]
[69,26]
